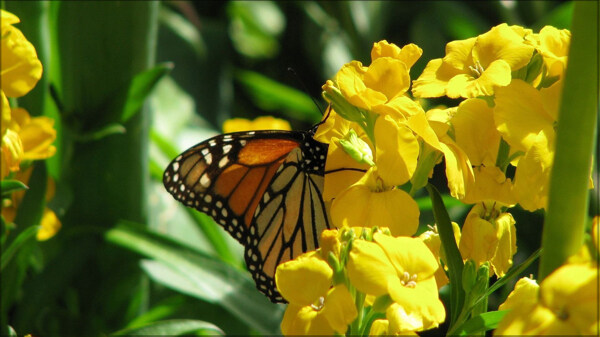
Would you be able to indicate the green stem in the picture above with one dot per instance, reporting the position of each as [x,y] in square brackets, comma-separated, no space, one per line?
[575,139]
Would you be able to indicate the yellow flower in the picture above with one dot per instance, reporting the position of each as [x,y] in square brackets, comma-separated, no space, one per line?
[316,309]
[374,200]
[259,123]
[473,67]
[489,235]
[526,117]
[459,170]
[26,139]
[408,54]
[379,88]
[404,268]
[553,45]
[37,134]
[565,303]
[20,67]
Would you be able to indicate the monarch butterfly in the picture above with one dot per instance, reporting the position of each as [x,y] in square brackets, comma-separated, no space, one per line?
[263,187]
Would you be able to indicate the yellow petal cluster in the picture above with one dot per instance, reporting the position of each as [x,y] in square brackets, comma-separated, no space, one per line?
[402,268]
[565,303]
[489,234]
[475,66]
[316,307]
[23,138]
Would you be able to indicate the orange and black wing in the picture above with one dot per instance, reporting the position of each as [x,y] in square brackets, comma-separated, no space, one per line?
[263,187]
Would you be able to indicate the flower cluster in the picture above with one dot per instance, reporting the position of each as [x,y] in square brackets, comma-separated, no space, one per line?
[565,303]
[24,138]
[498,148]
[364,278]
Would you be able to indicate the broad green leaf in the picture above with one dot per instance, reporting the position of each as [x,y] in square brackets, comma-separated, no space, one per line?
[271,95]
[481,323]
[201,276]
[9,186]
[175,327]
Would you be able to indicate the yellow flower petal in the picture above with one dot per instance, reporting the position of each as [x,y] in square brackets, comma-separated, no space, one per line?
[292,277]
[362,205]
[458,53]
[571,292]
[50,225]
[475,131]
[507,244]
[12,152]
[409,54]
[379,327]
[397,151]
[408,255]
[37,135]
[339,308]
[21,68]
[419,124]
[478,240]
[520,115]
[533,173]
[525,293]
[388,76]
[458,168]
[502,43]
[369,268]
[434,79]
[490,184]
[299,320]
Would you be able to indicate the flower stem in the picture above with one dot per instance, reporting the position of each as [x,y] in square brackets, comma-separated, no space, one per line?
[575,139]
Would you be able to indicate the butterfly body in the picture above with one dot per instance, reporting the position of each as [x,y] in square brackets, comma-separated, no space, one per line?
[263,187]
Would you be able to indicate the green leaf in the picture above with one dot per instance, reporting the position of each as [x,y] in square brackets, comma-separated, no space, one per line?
[14,246]
[175,327]
[9,186]
[271,95]
[140,87]
[481,323]
[453,257]
[199,275]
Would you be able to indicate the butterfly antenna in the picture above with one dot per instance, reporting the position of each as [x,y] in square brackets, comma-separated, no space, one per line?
[320,108]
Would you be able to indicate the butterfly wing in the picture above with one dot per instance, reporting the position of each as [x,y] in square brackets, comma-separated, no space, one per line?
[263,187]
[290,216]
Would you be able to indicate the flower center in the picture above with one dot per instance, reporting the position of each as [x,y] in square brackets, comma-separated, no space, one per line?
[319,305]
[477,69]
[408,280]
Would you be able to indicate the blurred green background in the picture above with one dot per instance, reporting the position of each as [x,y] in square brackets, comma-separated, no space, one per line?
[132,84]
